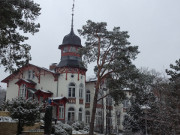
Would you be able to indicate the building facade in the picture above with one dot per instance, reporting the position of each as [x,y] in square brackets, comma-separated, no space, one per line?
[65,87]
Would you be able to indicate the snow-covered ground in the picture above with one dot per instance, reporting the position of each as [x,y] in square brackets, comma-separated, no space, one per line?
[6,119]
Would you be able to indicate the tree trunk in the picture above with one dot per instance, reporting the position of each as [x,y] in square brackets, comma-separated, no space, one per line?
[19,128]
[91,131]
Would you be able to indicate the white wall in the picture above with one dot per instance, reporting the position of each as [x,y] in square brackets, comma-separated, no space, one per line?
[63,86]
[12,90]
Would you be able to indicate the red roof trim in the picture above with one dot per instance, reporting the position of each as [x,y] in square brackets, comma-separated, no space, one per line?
[22,68]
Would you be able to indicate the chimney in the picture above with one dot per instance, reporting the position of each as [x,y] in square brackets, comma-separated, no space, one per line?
[52,66]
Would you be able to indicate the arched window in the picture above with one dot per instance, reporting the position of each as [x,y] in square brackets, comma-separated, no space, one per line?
[71,114]
[81,90]
[71,90]
[80,114]
[87,117]
[22,91]
[88,96]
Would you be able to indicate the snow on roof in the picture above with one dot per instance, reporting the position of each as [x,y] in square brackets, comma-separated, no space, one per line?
[91,78]
[43,68]
[126,89]
[45,91]
[145,107]
[32,90]
[57,98]
[28,81]
[16,72]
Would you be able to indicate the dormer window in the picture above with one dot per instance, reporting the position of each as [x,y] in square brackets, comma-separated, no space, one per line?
[31,74]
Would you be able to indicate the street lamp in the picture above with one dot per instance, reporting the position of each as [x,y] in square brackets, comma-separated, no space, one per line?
[145,108]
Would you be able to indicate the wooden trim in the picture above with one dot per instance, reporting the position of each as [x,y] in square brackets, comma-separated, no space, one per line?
[70,54]
[66,74]
[18,90]
[57,112]
[26,93]
[78,75]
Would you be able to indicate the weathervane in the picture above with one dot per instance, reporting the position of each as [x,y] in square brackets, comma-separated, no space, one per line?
[72,14]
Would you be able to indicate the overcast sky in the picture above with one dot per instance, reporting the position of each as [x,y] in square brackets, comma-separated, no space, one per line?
[153,25]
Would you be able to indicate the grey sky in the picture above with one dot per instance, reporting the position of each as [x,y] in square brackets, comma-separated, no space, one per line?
[153,25]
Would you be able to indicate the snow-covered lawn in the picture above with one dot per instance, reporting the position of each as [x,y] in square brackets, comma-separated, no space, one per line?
[6,119]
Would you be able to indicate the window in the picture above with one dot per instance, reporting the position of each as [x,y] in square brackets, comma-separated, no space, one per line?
[125,103]
[109,119]
[81,90]
[88,96]
[65,49]
[31,74]
[71,114]
[80,114]
[61,111]
[99,118]
[71,90]
[72,49]
[30,94]
[109,101]
[22,91]
[87,117]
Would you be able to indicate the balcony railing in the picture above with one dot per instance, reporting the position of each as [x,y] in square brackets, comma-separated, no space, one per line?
[72,100]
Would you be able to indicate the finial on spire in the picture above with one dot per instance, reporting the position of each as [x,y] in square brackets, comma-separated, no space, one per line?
[72,15]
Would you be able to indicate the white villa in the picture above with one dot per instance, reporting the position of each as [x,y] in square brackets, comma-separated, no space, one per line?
[65,87]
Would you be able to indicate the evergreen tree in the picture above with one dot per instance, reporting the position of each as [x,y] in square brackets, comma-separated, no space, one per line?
[17,16]
[26,111]
[152,91]
[174,93]
[112,53]
[135,119]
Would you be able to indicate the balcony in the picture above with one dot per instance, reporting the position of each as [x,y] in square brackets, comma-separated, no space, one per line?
[80,101]
[72,100]
[87,105]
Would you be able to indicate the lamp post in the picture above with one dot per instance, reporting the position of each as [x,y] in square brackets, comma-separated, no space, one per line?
[145,108]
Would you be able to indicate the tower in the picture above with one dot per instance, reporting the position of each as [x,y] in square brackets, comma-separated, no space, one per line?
[71,82]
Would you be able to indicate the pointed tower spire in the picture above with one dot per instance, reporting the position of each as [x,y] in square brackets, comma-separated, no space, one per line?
[72,16]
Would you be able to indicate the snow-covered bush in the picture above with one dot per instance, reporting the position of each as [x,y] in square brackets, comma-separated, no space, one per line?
[27,111]
[78,125]
[60,131]
[86,128]
[68,129]
[63,129]
[83,132]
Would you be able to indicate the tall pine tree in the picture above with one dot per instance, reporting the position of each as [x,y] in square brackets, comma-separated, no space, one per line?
[16,17]
[110,50]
